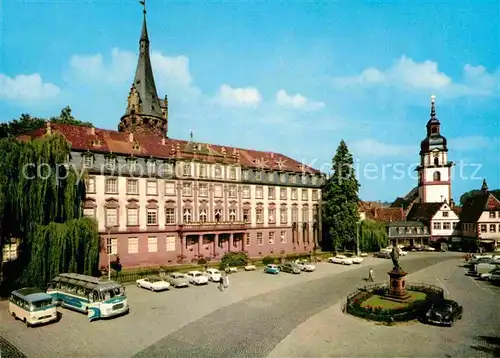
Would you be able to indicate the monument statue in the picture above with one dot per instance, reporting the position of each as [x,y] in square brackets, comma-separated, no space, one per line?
[395,257]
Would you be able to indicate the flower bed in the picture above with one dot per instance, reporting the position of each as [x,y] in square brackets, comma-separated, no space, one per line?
[404,312]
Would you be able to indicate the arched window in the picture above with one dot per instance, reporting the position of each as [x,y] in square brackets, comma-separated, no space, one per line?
[436,161]
[203,215]
[434,130]
[232,214]
[437,176]
[218,214]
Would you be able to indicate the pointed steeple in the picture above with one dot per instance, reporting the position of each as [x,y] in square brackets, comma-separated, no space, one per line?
[484,187]
[145,111]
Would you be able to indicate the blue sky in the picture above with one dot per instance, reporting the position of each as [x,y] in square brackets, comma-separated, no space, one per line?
[287,76]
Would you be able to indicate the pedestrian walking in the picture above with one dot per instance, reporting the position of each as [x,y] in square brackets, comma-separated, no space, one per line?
[226,282]
[371,276]
[221,282]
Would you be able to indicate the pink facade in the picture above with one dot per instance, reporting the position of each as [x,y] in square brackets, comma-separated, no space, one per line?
[210,242]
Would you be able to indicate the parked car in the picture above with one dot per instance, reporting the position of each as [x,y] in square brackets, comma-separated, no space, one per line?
[488,275]
[213,275]
[429,248]
[290,267]
[306,266]
[356,260]
[363,254]
[484,267]
[197,278]
[382,255]
[340,259]
[272,268]
[177,280]
[153,283]
[444,312]
[250,268]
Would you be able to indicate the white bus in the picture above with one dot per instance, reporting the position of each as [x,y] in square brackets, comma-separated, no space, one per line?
[90,295]
[32,306]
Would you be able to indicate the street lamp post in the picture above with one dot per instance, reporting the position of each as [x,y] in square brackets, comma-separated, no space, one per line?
[109,248]
[357,238]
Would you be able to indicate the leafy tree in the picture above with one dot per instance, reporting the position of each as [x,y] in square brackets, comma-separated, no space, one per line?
[41,206]
[340,202]
[372,236]
[26,123]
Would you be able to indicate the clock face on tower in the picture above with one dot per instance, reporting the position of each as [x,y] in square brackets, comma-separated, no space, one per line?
[436,154]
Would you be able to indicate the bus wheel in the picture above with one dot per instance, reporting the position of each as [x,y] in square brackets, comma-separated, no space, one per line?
[27,323]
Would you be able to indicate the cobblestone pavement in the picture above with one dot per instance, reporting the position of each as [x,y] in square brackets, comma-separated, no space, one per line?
[249,319]
[253,327]
[152,317]
[476,335]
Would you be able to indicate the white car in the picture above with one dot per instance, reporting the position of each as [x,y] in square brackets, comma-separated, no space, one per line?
[305,266]
[153,283]
[357,260]
[389,250]
[429,248]
[340,259]
[212,274]
[487,275]
[403,253]
[197,278]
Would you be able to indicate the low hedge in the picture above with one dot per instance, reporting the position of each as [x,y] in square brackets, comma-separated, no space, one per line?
[410,312]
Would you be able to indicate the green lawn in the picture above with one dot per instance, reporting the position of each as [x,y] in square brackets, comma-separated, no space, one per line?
[378,301]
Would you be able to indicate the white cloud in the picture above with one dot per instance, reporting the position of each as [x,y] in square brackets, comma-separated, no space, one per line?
[406,74]
[171,74]
[238,97]
[374,148]
[297,101]
[26,88]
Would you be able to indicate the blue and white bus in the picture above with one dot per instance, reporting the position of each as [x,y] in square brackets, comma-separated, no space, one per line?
[90,295]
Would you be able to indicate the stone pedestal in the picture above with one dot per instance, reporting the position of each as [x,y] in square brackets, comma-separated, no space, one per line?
[397,285]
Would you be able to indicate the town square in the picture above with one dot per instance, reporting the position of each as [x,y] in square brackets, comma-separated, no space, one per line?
[356,213]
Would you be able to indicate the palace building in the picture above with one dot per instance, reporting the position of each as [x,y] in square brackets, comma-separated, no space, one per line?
[161,201]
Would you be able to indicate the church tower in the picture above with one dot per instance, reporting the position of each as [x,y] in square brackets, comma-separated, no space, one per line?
[145,113]
[434,171]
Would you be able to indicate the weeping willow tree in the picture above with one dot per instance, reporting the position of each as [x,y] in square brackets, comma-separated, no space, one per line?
[41,205]
[373,235]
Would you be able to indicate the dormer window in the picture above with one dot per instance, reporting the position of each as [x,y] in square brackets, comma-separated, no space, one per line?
[270,176]
[88,160]
[95,143]
[132,164]
[136,147]
[110,162]
[258,175]
[314,180]
[151,165]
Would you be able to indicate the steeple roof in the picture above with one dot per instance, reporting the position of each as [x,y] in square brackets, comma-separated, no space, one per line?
[484,187]
[434,139]
[144,81]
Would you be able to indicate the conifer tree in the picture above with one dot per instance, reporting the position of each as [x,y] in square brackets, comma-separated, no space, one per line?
[340,202]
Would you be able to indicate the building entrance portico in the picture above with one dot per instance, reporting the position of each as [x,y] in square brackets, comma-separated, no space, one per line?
[211,245]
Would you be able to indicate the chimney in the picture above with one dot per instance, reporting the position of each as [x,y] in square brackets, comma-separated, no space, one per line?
[131,137]
[92,130]
[48,129]
[163,141]
[272,154]
[452,203]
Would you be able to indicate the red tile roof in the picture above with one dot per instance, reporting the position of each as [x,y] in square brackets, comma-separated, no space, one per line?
[108,141]
[375,211]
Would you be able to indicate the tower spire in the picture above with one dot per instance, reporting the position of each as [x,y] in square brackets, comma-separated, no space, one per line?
[484,187]
[145,111]
[433,106]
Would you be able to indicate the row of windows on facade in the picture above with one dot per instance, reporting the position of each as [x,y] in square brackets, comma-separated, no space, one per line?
[490,228]
[111,187]
[445,226]
[409,230]
[170,242]
[203,216]
[187,171]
